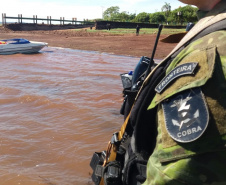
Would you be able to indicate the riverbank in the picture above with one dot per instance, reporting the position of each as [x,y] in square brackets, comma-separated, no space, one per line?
[120,44]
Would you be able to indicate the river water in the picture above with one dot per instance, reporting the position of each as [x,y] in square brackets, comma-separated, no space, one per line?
[57,107]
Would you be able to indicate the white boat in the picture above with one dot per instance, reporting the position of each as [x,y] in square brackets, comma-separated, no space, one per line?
[13,46]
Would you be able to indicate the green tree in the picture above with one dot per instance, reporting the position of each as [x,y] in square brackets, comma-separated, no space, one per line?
[157,17]
[184,14]
[124,16]
[111,13]
[189,14]
[142,17]
[132,16]
[166,8]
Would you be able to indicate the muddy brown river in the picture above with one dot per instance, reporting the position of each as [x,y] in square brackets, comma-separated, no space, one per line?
[57,107]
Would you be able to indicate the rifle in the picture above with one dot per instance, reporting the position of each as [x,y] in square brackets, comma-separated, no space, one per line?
[100,161]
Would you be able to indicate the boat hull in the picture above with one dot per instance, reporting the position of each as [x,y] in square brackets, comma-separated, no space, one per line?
[27,48]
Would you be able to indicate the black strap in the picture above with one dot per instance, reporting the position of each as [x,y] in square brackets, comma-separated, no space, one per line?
[221,25]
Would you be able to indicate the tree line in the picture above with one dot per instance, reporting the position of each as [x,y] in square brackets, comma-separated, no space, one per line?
[166,15]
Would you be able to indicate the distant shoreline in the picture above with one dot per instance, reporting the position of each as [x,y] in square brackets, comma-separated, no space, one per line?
[108,42]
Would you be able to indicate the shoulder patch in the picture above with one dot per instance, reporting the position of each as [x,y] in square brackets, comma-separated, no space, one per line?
[186,115]
[181,70]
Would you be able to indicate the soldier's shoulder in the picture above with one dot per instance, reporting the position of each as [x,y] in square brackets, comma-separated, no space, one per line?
[217,38]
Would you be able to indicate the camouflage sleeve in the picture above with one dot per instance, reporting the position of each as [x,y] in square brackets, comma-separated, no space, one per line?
[191,100]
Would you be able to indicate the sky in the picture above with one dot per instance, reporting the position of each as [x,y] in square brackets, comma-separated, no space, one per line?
[80,9]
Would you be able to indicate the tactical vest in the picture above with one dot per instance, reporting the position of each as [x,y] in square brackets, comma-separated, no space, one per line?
[186,96]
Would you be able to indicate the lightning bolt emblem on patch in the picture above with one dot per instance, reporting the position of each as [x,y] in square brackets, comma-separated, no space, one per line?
[183,120]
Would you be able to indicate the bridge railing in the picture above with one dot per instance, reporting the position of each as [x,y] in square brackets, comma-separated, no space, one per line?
[49,21]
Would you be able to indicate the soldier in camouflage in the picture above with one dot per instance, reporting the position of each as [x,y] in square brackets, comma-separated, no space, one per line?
[175,132]
[190,100]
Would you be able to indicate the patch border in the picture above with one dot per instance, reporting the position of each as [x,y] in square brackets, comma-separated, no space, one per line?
[204,128]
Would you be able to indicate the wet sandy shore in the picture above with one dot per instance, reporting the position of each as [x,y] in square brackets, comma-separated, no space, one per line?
[125,44]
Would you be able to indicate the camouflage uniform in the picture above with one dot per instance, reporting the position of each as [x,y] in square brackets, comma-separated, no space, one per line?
[191,116]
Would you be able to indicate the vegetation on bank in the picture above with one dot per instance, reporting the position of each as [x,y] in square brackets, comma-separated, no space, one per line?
[181,15]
